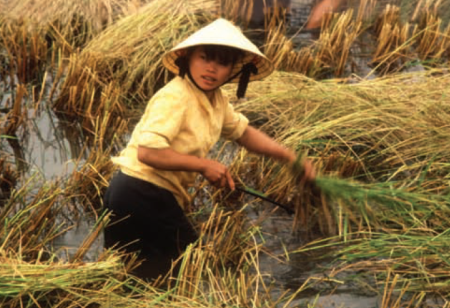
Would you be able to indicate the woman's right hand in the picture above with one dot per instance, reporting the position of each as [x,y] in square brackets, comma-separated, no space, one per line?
[217,174]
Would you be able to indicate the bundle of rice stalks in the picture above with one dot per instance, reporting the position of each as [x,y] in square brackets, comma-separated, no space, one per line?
[415,8]
[366,11]
[394,43]
[338,33]
[52,284]
[68,24]
[432,44]
[383,206]
[327,55]
[280,50]
[223,267]
[23,52]
[275,16]
[103,283]
[418,261]
[387,131]
[123,65]
[29,221]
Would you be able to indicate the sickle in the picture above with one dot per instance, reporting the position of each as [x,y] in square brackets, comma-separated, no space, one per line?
[263,197]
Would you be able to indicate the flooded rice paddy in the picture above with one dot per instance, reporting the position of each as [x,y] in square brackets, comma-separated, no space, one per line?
[49,148]
[51,153]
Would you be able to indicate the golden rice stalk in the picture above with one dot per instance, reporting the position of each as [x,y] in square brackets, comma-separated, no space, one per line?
[365,11]
[393,41]
[425,5]
[275,17]
[51,283]
[93,168]
[89,181]
[432,44]
[339,31]
[17,115]
[25,52]
[281,51]
[102,283]
[237,11]
[218,267]
[328,54]
[29,219]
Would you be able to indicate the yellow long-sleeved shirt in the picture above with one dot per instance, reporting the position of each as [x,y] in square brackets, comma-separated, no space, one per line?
[180,117]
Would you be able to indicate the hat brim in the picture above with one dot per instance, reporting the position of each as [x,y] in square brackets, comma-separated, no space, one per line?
[222,33]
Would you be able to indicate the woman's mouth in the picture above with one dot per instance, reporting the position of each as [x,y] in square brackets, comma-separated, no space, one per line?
[209,80]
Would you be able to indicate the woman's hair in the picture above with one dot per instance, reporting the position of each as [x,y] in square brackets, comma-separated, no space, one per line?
[223,54]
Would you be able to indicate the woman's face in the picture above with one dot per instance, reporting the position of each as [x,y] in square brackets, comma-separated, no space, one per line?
[208,74]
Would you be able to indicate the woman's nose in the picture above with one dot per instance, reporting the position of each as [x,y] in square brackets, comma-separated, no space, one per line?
[211,66]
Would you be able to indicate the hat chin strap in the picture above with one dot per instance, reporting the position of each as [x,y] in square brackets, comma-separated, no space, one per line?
[245,72]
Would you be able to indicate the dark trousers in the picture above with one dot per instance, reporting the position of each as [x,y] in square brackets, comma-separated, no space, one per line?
[148,217]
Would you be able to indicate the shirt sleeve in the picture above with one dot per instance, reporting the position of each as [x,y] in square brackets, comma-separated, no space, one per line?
[162,121]
[234,124]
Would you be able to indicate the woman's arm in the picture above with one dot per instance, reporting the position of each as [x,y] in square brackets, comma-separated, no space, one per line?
[168,159]
[258,142]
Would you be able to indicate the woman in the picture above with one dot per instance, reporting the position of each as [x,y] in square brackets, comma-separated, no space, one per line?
[168,147]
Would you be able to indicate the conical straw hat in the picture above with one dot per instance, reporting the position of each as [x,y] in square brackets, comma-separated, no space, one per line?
[223,32]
